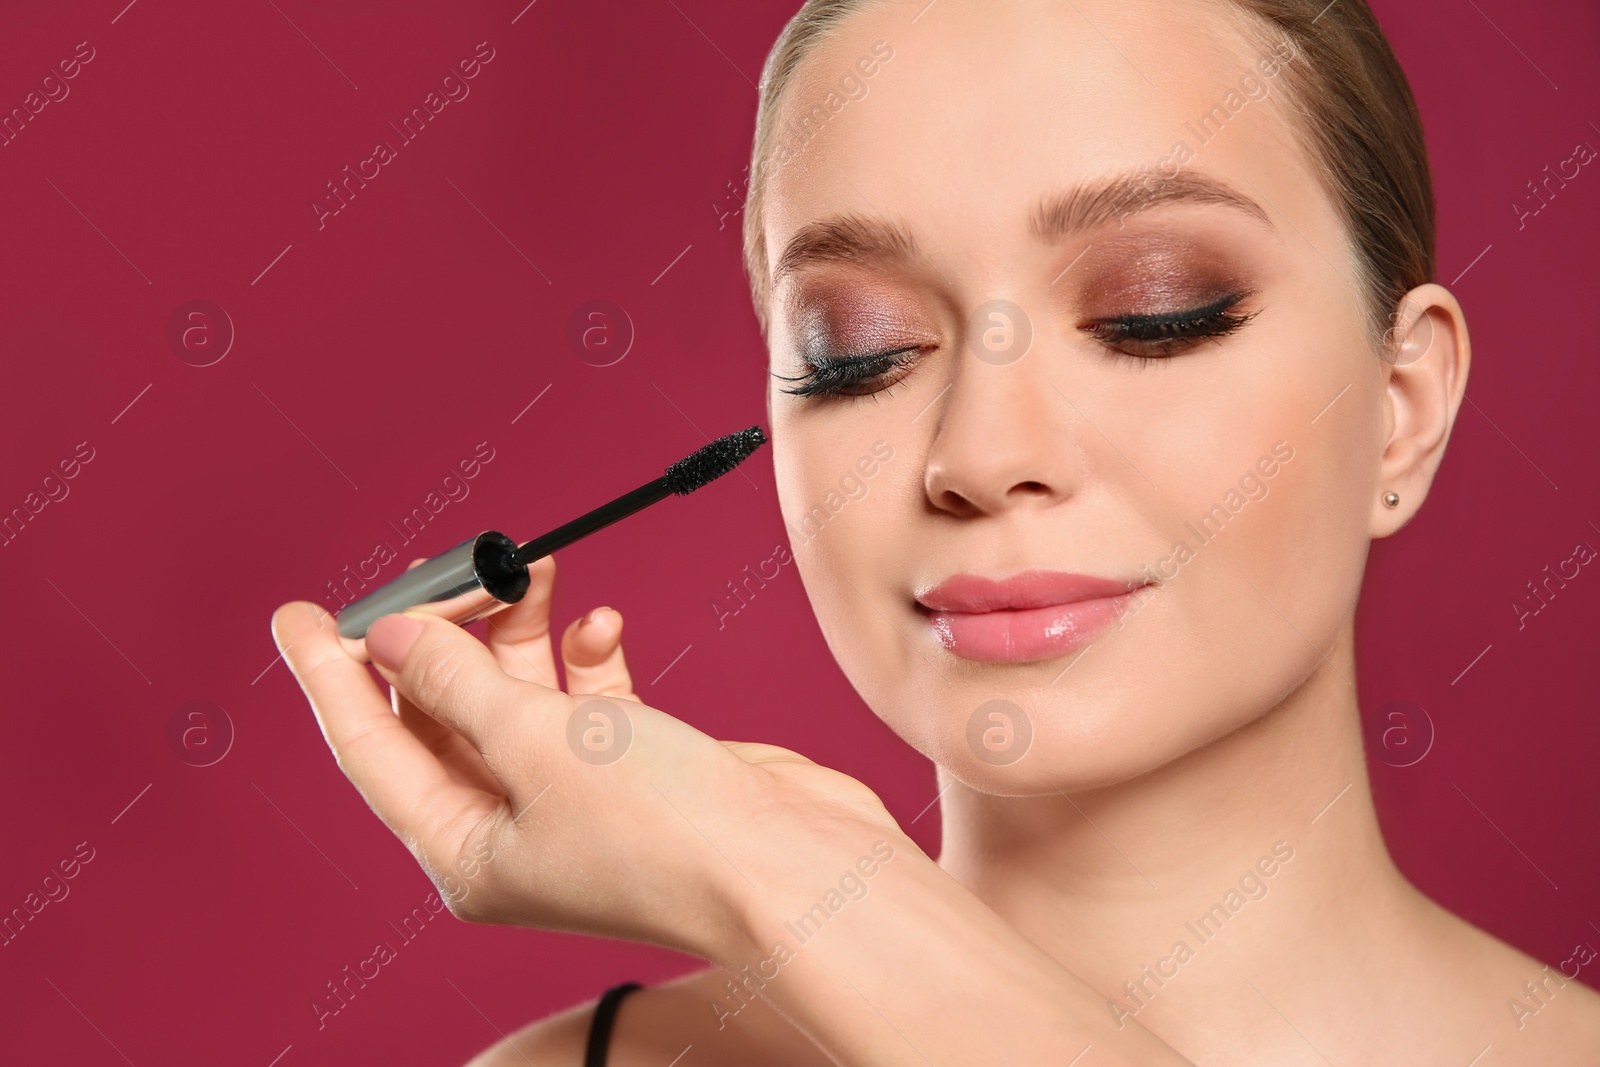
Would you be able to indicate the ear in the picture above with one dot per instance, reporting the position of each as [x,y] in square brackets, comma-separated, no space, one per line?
[1426,356]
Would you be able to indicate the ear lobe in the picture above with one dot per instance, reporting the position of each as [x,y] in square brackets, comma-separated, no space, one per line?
[1427,354]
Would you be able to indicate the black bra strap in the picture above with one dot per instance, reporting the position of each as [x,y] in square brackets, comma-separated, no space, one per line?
[605,1014]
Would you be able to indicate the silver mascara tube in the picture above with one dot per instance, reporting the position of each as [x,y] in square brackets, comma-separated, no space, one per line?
[485,562]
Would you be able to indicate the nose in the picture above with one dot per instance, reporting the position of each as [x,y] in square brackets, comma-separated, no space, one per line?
[1004,438]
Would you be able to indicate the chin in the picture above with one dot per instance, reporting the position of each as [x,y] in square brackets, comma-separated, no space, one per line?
[1040,740]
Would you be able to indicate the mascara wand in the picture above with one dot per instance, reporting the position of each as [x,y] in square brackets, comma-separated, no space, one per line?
[496,564]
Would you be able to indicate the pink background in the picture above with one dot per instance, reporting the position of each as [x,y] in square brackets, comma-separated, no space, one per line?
[592,161]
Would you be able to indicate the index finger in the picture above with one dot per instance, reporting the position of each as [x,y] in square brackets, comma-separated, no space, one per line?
[453,677]
[404,783]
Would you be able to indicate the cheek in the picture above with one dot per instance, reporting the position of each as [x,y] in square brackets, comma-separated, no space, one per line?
[844,549]
[1271,564]
[828,507]
[1202,433]
[1274,573]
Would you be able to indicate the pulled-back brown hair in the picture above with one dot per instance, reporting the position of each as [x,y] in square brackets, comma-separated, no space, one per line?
[1357,119]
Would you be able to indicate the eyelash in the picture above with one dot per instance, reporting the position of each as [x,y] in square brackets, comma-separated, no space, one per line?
[1164,334]
[1169,333]
[854,376]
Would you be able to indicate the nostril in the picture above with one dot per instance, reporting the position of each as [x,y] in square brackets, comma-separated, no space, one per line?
[1033,487]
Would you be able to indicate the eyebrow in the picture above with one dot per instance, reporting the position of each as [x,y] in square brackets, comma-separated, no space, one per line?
[1089,206]
[853,238]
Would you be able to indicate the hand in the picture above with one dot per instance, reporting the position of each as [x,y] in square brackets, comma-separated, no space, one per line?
[583,810]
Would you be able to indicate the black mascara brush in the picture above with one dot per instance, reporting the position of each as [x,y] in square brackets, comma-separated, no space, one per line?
[496,564]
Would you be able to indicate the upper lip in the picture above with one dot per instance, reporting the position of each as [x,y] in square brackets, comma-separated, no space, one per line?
[974,594]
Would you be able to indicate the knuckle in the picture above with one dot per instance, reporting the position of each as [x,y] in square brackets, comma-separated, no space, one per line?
[436,676]
[475,908]
[463,908]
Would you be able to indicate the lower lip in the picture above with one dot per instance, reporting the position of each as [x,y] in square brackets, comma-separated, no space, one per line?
[1026,634]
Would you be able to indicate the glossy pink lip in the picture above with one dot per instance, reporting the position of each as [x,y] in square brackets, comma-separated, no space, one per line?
[1029,616]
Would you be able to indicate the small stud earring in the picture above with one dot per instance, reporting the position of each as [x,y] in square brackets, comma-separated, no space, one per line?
[1391,499]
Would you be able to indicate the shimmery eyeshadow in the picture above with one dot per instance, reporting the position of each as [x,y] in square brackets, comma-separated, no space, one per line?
[854,318]
[1154,272]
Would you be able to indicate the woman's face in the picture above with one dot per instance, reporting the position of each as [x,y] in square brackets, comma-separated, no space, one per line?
[1124,344]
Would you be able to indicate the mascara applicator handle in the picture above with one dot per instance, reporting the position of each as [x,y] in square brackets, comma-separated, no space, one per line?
[493,563]
[487,562]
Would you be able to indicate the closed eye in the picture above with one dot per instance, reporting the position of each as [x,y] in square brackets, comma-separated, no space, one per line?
[1163,335]
[853,375]
[1143,337]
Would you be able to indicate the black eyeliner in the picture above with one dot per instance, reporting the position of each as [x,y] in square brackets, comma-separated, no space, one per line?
[1171,318]
[1209,321]
[835,376]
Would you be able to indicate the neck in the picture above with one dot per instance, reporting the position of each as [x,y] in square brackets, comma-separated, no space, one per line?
[1260,850]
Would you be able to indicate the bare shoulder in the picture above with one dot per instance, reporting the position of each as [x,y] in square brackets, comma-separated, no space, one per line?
[1547,1009]
[703,1010]
[1529,1011]
[557,1040]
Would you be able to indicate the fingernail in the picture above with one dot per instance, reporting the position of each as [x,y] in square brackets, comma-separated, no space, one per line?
[390,638]
[593,614]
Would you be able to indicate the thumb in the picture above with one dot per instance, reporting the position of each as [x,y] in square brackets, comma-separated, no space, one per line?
[450,675]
